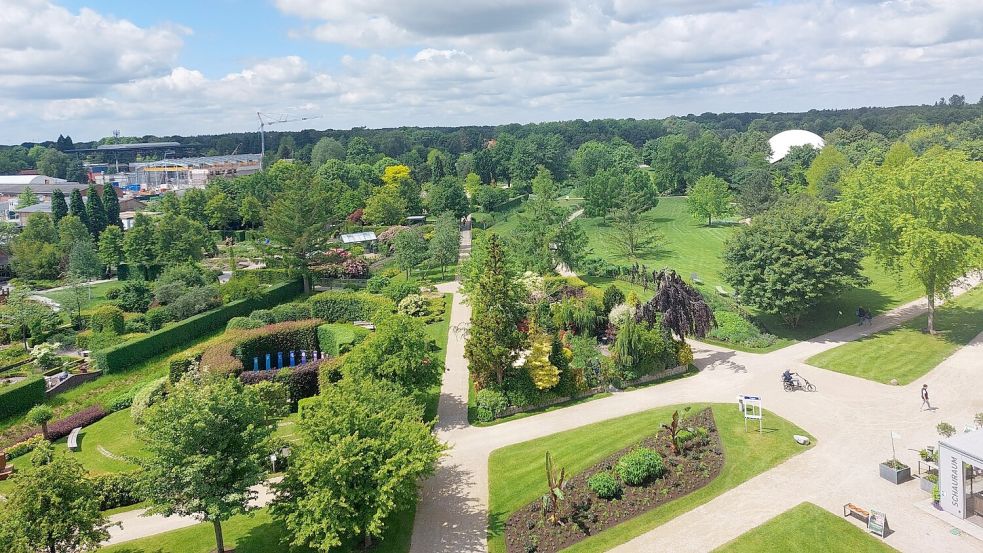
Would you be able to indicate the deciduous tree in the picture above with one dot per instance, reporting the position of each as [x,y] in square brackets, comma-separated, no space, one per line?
[205,450]
[363,449]
[399,351]
[111,251]
[709,197]
[411,250]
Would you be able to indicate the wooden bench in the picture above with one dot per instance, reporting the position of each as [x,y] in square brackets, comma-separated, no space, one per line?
[721,291]
[695,278]
[73,439]
[851,509]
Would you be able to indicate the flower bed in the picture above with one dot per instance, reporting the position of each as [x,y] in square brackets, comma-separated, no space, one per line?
[583,513]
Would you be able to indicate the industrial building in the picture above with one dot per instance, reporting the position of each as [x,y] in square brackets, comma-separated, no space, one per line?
[177,174]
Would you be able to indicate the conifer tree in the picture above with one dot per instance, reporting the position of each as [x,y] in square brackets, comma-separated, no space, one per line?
[110,202]
[76,207]
[96,212]
[59,207]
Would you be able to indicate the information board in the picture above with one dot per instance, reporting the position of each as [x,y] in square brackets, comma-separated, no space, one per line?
[877,522]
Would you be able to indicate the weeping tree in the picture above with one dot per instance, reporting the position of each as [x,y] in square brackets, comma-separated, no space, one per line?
[677,306]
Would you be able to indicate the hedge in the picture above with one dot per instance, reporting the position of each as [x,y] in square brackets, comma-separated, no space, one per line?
[346,307]
[19,397]
[126,355]
[235,353]
[270,276]
[338,338]
[301,381]
[117,489]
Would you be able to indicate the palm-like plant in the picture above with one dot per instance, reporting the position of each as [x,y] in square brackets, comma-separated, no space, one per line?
[680,307]
[554,496]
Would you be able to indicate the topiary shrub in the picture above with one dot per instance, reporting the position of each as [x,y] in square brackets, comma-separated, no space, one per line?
[147,396]
[233,355]
[242,323]
[639,466]
[291,312]
[605,485]
[264,316]
[107,318]
[491,404]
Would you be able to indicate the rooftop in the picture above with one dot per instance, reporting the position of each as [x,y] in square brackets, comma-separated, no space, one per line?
[356,237]
[43,189]
[967,443]
[28,180]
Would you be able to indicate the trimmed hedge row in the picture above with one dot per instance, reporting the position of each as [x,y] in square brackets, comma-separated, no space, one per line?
[19,397]
[126,355]
[345,306]
[301,381]
[227,356]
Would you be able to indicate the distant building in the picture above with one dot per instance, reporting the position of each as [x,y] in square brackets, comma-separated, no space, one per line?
[24,213]
[784,141]
[23,180]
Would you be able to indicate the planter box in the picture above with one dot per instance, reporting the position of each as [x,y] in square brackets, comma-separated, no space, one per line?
[893,475]
[927,485]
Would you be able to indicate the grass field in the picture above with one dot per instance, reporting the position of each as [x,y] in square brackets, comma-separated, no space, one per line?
[438,331]
[66,298]
[907,352]
[516,472]
[691,247]
[806,529]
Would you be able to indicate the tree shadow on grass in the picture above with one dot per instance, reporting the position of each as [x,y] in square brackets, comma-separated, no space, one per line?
[831,314]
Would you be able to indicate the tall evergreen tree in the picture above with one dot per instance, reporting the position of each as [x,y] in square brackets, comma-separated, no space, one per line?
[110,202]
[76,207]
[59,207]
[96,212]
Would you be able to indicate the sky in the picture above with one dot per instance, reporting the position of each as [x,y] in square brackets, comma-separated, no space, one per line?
[86,67]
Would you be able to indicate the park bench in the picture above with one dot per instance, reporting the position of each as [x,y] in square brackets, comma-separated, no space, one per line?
[695,278]
[851,509]
[73,439]
[721,291]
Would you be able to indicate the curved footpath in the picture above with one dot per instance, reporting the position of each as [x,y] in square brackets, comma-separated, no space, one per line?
[851,418]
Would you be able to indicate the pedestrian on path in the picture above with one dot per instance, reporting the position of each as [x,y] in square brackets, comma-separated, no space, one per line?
[925,402]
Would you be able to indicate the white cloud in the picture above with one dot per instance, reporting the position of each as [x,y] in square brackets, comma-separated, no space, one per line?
[445,62]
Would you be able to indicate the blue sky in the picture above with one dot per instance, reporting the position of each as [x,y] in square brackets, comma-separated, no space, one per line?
[86,67]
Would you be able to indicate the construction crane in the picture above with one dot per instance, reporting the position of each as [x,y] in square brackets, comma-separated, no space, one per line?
[266,120]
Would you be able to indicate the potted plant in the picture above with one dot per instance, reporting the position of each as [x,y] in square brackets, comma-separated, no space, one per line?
[929,482]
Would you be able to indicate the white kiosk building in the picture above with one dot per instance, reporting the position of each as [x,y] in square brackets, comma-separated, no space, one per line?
[961,476]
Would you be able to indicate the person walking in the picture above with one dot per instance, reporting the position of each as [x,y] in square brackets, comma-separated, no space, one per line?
[925,402]
[861,316]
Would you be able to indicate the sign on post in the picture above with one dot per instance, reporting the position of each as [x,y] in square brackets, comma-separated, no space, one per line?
[751,408]
[877,522]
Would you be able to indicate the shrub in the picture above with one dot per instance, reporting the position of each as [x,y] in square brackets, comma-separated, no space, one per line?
[240,287]
[264,316]
[338,338]
[169,292]
[193,302]
[271,276]
[684,354]
[639,466]
[376,283]
[605,485]
[612,296]
[19,397]
[291,312]
[301,381]
[24,447]
[126,355]
[491,404]
[133,296]
[242,323]
[63,427]
[413,305]
[344,306]
[179,365]
[191,275]
[116,489]
[157,318]
[147,396]
[107,318]
[233,355]
[120,401]
[733,328]
[399,289]
[97,340]
[136,324]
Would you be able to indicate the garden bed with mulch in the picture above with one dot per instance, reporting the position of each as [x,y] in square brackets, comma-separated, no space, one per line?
[582,513]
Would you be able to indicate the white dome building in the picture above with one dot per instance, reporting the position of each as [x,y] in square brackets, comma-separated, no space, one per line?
[782,142]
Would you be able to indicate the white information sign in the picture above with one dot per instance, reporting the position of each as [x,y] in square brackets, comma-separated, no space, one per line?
[750,406]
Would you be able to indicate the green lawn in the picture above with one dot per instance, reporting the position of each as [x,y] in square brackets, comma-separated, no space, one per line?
[101,389]
[806,529]
[66,298]
[907,352]
[692,247]
[438,331]
[516,472]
